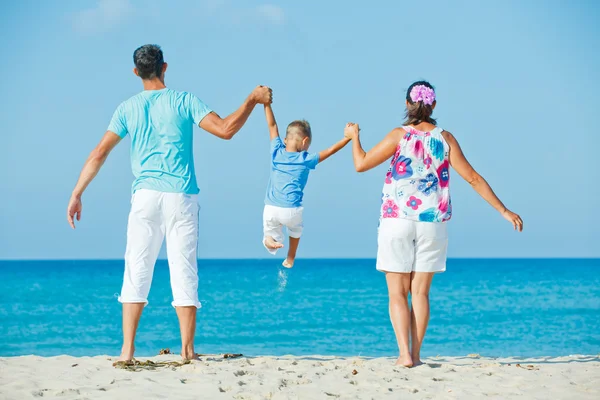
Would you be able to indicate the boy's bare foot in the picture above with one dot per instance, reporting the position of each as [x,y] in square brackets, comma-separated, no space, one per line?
[272,244]
[288,263]
[405,361]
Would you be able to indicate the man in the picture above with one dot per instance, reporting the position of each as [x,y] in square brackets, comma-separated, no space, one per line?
[164,200]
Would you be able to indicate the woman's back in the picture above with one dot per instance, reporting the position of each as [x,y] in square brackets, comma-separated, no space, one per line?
[417,182]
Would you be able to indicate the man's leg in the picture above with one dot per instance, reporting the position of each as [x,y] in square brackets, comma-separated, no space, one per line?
[144,238]
[131,318]
[187,327]
[181,216]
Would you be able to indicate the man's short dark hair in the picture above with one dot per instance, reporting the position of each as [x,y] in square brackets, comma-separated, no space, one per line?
[148,60]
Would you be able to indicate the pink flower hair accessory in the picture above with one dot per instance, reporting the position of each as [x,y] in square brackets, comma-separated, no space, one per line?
[422,93]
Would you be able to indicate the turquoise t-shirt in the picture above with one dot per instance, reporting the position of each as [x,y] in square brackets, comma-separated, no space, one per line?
[161,123]
[289,174]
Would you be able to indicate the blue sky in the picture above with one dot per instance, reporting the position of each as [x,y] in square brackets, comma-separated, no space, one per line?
[517,84]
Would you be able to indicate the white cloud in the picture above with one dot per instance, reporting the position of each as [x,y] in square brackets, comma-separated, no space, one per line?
[232,13]
[106,14]
[271,13]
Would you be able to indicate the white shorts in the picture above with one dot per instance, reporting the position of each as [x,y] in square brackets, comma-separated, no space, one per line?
[275,218]
[154,216]
[411,246]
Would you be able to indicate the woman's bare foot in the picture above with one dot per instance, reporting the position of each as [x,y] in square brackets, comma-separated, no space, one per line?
[405,361]
[272,244]
[416,358]
[288,263]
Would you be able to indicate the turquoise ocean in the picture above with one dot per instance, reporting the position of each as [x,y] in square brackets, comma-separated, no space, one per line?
[493,307]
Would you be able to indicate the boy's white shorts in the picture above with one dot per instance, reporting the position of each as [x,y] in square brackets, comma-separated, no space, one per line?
[411,246]
[275,218]
[155,216]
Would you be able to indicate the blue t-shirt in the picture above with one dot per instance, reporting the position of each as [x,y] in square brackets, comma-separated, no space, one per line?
[161,123]
[289,174]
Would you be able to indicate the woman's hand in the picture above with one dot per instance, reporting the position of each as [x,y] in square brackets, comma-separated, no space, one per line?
[351,131]
[514,219]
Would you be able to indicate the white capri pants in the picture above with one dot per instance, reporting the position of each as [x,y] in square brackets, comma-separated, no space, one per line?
[275,218]
[411,246]
[154,216]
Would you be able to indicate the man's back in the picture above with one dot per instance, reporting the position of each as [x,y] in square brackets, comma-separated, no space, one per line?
[160,123]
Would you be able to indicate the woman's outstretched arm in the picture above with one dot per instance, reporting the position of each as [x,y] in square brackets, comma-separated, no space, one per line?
[459,162]
[364,161]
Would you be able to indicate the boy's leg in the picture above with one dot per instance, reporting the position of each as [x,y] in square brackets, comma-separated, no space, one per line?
[291,256]
[272,230]
[295,226]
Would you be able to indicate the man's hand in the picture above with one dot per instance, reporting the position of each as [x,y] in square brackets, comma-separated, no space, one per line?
[351,130]
[74,210]
[262,95]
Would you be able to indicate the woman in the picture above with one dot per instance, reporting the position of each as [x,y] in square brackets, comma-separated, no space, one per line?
[415,205]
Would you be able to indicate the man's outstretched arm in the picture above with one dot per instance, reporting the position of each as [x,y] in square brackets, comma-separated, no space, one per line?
[88,173]
[226,128]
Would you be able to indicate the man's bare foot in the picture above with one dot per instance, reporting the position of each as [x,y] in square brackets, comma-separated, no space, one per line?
[405,361]
[288,263]
[272,244]
[189,354]
[195,356]
[126,354]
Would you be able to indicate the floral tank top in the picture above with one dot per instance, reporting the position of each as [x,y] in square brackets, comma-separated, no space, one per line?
[417,182]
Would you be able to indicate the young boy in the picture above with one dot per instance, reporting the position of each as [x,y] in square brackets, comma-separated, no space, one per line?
[290,166]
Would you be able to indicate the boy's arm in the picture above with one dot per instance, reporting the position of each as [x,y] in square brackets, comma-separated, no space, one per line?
[325,154]
[273,131]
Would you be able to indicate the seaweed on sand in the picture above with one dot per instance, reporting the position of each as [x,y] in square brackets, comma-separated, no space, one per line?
[149,365]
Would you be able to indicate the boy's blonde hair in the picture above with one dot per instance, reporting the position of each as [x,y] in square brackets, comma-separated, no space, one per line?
[299,127]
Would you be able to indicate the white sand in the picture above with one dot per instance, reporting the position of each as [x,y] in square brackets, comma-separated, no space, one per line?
[575,377]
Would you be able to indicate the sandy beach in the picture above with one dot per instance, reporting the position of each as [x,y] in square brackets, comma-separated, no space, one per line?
[316,377]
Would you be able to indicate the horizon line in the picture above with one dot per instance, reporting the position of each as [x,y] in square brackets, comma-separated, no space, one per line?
[303,258]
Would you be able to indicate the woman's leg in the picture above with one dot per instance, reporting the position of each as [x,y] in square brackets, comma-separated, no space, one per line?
[398,288]
[420,283]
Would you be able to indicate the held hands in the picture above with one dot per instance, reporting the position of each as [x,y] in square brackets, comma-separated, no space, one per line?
[351,130]
[514,219]
[74,209]
[262,95]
